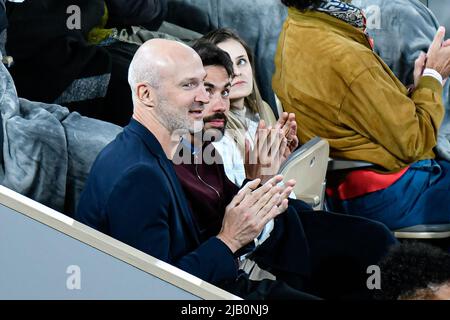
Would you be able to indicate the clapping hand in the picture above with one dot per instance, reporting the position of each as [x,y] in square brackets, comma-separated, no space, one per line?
[251,209]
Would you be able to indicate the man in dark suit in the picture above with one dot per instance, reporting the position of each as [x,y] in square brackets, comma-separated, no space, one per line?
[133,193]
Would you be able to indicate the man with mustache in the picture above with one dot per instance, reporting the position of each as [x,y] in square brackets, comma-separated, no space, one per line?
[306,250]
[133,193]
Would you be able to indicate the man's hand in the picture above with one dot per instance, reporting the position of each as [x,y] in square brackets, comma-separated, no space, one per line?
[438,56]
[419,67]
[446,44]
[251,209]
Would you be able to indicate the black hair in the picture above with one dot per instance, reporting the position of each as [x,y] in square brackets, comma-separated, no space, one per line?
[410,268]
[303,4]
[212,55]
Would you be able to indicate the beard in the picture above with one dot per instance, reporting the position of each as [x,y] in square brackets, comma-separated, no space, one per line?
[216,116]
[214,134]
[177,119]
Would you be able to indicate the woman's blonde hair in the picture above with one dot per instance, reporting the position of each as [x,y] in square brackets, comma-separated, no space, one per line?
[254,102]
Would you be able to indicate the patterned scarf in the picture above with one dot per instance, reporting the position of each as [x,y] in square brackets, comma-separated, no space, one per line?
[345,12]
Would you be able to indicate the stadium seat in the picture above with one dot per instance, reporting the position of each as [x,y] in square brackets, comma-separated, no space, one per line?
[308,166]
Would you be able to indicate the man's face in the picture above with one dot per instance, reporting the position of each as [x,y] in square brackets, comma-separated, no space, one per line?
[181,96]
[217,84]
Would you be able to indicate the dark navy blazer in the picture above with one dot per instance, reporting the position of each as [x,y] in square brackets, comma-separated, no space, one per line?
[134,195]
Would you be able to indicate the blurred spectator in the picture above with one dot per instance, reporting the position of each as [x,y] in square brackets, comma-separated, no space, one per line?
[415,271]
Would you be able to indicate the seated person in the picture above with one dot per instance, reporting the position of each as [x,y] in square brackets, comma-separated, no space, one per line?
[166,78]
[208,192]
[328,75]
[415,271]
[134,195]
[247,107]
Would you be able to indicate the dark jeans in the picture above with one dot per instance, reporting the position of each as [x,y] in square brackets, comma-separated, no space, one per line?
[420,196]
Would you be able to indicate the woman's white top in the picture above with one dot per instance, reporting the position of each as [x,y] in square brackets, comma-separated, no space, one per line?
[233,158]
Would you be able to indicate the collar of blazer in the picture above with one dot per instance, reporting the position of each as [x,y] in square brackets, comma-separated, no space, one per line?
[147,137]
[166,165]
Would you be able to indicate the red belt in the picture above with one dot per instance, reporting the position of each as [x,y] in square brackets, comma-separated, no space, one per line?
[360,182]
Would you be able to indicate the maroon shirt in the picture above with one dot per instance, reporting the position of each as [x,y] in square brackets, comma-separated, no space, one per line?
[207,190]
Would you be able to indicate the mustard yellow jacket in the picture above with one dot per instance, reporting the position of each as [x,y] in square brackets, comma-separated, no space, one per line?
[327,73]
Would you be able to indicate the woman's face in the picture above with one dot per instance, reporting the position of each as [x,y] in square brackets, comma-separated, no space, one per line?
[242,84]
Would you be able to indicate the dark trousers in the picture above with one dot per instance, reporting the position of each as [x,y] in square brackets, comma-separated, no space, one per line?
[326,255]
[265,290]
[341,250]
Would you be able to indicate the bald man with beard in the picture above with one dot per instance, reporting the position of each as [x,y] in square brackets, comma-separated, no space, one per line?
[133,193]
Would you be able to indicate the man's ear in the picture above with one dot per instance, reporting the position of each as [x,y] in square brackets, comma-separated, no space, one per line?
[146,94]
